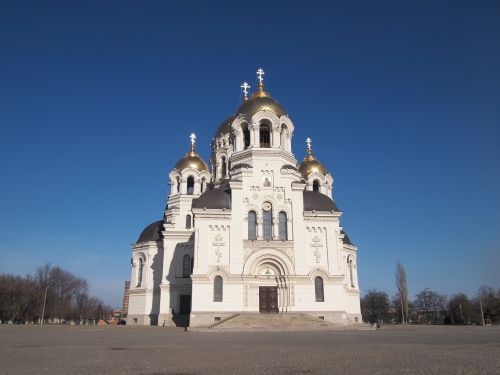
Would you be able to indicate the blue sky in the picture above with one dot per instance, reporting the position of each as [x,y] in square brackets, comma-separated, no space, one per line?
[401,99]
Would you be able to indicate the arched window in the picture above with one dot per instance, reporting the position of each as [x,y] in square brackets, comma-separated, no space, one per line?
[267,223]
[139,273]
[188,221]
[283,230]
[218,289]
[223,167]
[186,266]
[252,225]
[318,289]
[246,136]
[351,271]
[315,185]
[284,137]
[265,135]
[190,185]
[178,180]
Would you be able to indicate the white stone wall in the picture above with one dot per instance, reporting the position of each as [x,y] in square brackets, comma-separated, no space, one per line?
[219,245]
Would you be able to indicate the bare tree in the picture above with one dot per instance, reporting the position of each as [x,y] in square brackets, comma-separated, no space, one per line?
[431,305]
[51,293]
[402,291]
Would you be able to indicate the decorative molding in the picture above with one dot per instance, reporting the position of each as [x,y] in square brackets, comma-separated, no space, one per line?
[280,257]
[218,227]
[317,244]
[217,244]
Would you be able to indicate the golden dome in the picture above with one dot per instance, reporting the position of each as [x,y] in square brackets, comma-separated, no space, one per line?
[310,164]
[192,159]
[261,101]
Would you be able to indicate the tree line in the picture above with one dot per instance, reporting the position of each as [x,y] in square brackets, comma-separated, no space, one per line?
[51,294]
[430,306]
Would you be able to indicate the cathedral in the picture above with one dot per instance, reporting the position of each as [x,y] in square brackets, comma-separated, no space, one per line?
[255,231]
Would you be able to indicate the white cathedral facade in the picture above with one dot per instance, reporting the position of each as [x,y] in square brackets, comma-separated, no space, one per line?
[254,232]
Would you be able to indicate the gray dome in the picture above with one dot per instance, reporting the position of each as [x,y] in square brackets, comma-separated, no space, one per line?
[213,199]
[346,238]
[225,126]
[152,232]
[314,200]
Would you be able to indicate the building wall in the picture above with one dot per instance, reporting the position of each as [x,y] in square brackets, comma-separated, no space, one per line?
[219,245]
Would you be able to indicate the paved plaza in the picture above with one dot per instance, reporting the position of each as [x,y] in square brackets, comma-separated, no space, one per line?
[171,351]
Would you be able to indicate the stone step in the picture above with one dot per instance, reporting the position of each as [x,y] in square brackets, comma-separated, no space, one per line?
[274,322]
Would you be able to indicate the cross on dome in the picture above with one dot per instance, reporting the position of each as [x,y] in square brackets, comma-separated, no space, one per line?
[260,74]
[193,140]
[245,86]
[260,93]
[308,143]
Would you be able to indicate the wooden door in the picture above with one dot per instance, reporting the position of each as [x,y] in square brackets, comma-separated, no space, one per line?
[268,299]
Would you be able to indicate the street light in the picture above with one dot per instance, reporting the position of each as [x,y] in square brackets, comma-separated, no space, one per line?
[44,301]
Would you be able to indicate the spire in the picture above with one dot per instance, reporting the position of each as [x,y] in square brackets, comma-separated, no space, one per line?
[260,76]
[309,156]
[193,142]
[245,86]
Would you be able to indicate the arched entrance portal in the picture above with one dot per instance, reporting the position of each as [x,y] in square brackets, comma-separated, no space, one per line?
[268,294]
[270,276]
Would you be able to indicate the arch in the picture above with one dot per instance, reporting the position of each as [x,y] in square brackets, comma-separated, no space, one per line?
[178,184]
[217,271]
[318,289]
[252,225]
[284,136]
[246,135]
[267,223]
[223,167]
[218,288]
[350,268]
[186,266]
[190,185]
[316,185]
[289,124]
[188,221]
[203,185]
[276,257]
[283,226]
[268,116]
[140,270]
[265,135]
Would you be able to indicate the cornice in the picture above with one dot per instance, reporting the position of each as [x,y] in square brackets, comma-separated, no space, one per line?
[257,153]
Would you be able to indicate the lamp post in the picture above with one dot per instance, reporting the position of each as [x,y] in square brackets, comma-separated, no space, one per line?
[44,301]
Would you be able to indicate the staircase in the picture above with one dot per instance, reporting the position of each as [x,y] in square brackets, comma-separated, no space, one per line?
[275,322]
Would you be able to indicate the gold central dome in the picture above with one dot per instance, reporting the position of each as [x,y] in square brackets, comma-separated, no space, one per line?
[192,159]
[261,103]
